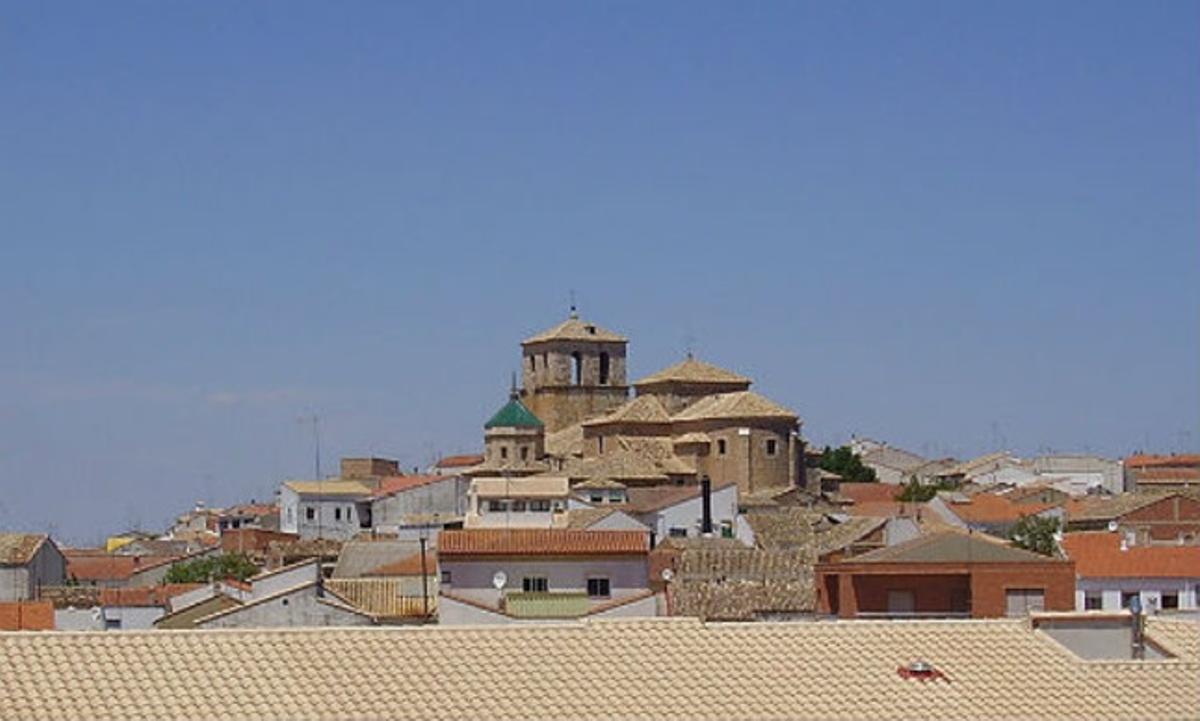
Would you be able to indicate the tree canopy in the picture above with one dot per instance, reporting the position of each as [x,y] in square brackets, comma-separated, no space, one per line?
[213,568]
[847,464]
[1035,533]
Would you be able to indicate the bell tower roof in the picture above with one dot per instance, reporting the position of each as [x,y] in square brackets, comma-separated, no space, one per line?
[575,329]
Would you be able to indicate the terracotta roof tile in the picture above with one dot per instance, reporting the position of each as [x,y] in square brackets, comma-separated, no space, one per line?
[145,595]
[740,404]
[93,569]
[540,542]
[995,509]
[460,461]
[632,670]
[1098,554]
[396,484]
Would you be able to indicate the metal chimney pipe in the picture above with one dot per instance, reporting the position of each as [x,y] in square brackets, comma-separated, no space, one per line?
[706,500]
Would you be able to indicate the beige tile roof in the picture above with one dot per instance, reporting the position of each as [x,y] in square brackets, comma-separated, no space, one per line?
[565,442]
[632,458]
[575,329]
[693,371]
[742,404]
[660,669]
[643,409]
[693,437]
[600,483]
[333,487]
[17,549]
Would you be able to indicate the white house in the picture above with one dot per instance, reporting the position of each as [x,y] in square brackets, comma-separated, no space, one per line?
[1111,572]
[495,575]
[530,502]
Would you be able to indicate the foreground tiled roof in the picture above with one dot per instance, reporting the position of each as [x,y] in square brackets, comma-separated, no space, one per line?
[19,548]
[691,370]
[575,329]
[1098,554]
[661,669]
[540,542]
[740,404]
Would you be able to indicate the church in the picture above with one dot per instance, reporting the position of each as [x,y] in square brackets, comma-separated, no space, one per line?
[576,415]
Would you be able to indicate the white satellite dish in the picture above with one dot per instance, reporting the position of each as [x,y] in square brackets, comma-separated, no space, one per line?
[499,579]
[667,575]
[1112,526]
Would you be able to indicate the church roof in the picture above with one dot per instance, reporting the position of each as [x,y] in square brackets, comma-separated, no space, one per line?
[742,404]
[643,409]
[693,371]
[514,414]
[575,329]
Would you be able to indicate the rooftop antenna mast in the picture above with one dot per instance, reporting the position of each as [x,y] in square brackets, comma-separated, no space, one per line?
[315,420]
[574,308]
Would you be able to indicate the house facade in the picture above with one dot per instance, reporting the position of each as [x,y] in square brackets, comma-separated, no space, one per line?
[1112,573]
[946,574]
[29,561]
[494,575]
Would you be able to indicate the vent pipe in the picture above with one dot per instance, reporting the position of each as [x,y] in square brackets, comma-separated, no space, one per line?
[706,501]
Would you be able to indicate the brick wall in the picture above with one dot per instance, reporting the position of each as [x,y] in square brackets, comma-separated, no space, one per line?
[27,616]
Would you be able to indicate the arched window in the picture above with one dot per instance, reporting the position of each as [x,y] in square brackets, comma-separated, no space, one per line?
[603,369]
[577,368]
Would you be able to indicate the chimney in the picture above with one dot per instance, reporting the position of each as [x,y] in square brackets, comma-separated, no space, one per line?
[706,500]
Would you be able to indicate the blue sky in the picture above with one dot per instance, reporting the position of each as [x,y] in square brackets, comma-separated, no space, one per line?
[954,226]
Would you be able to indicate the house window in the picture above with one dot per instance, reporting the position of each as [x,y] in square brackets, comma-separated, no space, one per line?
[1127,598]
[445,578]
[603,369]
[1023,601]
[533,363]
[497,506]
[596,497]
[112,624]
[1093,602]
[535,584]
[597,587]
[541,506]
[337,514]
[518,506]
[771,446]
[616,496]
[310,513]
[600,444]
[677,532]
[1170,601]
[577,368]
[726,529]
[720,446]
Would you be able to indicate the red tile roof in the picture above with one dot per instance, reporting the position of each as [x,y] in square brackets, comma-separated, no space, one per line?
[1098,554]
[395,484]
[990,508]
[541,542]
[1143,460]
[88,567]
[463,461]
[145,596]
[861,492]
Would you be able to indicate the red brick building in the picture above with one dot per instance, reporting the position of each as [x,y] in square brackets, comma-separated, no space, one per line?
[947,574]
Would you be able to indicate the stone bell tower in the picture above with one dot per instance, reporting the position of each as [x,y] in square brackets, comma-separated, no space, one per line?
[572,372]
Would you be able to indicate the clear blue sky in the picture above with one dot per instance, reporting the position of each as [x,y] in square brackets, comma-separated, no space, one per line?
[953,226]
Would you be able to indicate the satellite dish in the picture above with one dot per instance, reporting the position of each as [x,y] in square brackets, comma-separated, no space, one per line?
[1112,526]
[667,575]
[499,579]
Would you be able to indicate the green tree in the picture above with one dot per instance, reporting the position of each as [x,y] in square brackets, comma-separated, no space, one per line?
[214,568]
[847,464]
[917,492]
[1035,533]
